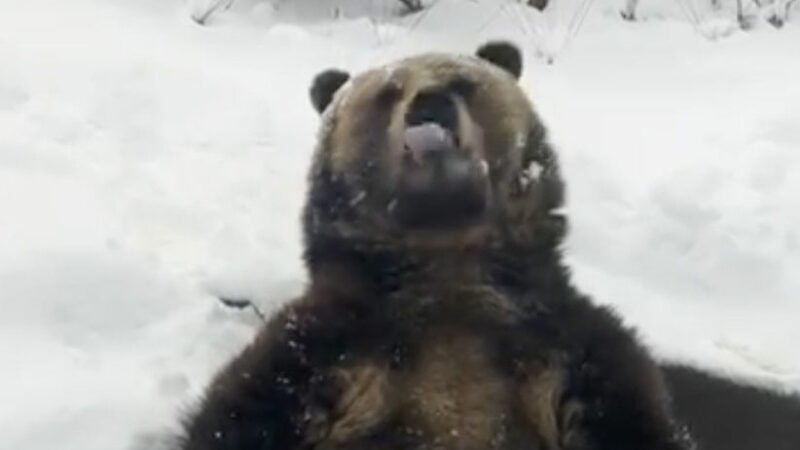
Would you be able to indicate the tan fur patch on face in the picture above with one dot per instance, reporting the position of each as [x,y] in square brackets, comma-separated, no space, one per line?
[455,394]
[364,145]
[496,112]
[540,396]
[353,116]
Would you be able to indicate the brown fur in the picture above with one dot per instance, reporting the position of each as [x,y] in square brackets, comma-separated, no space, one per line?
[467,337]
[454,392]
[364,402]
[355,114]
[541,399]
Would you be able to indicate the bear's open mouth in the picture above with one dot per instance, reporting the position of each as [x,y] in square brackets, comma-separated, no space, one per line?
[440,184]
[427,141]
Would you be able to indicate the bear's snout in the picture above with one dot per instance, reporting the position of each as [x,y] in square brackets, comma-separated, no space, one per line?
[436,106]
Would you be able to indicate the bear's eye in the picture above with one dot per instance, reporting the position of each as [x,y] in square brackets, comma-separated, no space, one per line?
[389,93]
[462,86]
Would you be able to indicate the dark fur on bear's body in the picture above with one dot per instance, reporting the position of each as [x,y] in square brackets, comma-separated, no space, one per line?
[600,390]
[459,337]
[725,415]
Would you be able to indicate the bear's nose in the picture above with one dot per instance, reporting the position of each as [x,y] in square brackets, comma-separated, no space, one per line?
[434,106]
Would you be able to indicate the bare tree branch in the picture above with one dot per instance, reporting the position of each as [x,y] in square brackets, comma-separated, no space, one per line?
[201,15]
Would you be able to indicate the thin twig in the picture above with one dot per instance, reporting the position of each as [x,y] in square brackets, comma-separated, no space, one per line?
[237,303]
[693,18]
[575,24]
[216,6]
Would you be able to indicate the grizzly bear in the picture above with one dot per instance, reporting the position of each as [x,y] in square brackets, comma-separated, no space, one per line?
[438,314]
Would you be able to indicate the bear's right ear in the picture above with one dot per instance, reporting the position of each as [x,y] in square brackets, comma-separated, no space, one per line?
[502,54]
[325,86]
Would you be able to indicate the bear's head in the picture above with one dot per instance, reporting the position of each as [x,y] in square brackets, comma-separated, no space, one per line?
[435,151]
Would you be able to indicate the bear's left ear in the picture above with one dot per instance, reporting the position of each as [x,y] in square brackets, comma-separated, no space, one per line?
[502,54]
[325,86]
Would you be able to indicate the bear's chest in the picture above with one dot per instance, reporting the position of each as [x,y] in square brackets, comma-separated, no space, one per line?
[460,382]
[453,393]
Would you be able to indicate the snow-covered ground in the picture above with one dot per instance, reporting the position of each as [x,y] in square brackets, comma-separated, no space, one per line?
[148,164]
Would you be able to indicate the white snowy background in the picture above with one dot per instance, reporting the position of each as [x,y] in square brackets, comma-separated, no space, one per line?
[149,164]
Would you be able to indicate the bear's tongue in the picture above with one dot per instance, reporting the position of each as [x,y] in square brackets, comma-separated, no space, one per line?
[424,140]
